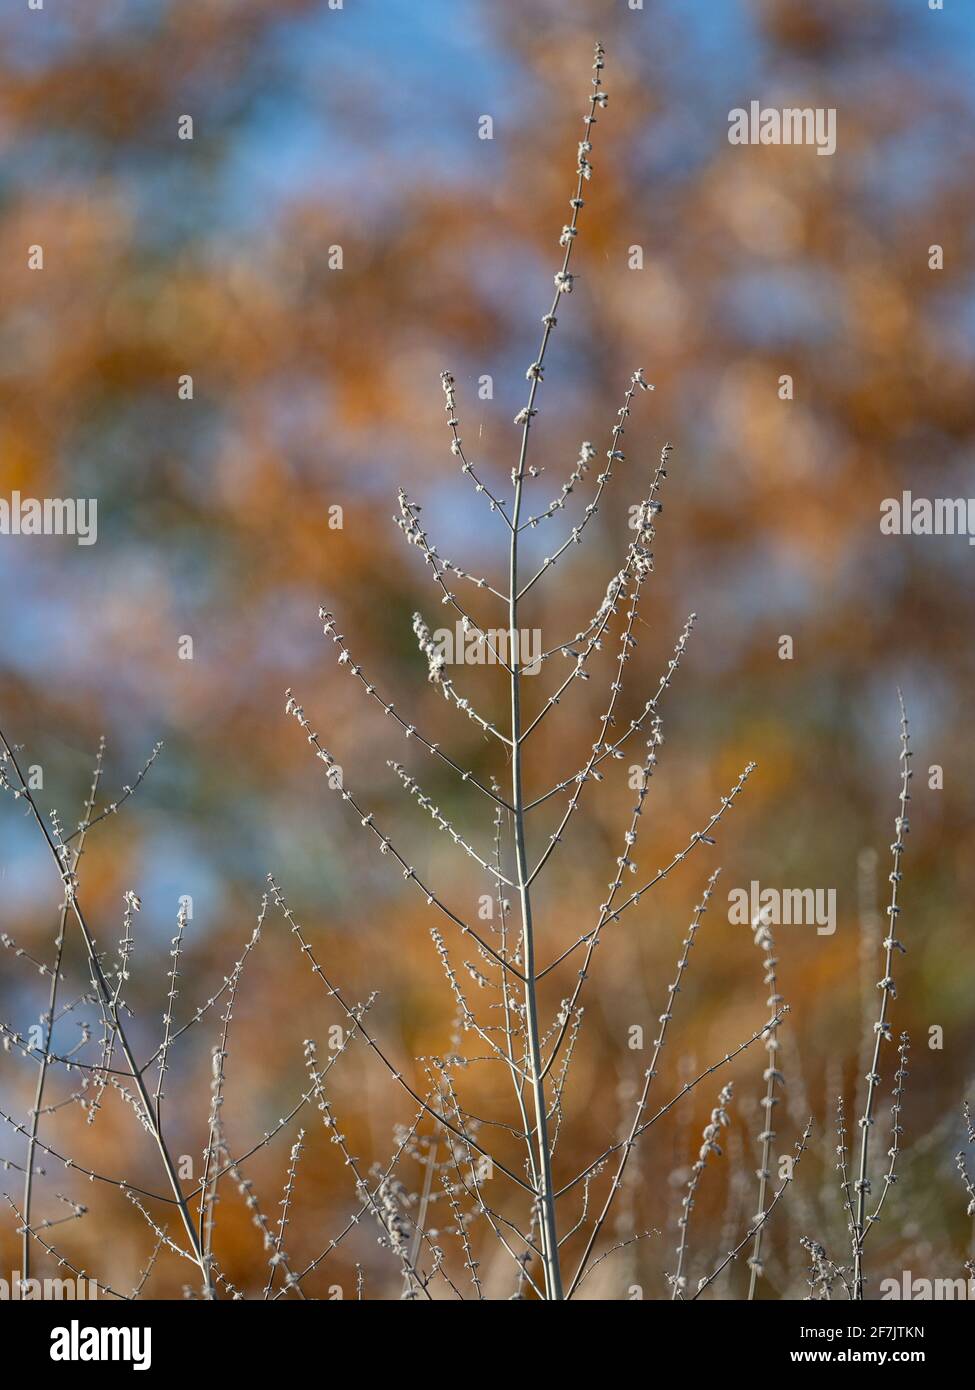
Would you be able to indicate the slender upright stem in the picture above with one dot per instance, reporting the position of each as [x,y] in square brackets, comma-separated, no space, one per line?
[546,1199]
[887,993]
[543,1169]
[35,1115]
[763,938]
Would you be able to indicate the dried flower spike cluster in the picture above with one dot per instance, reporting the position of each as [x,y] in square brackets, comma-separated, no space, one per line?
[507,973]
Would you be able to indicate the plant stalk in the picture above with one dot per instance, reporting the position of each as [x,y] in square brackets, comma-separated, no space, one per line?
[545,1193]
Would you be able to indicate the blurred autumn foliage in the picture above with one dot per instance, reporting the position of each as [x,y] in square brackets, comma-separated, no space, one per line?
[316,387]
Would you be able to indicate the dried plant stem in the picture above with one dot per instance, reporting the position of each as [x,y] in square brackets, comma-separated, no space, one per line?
[887,993]
[763,938]
[109,1003]
[674,1100]
[544,1189]
[56,1254]
[962,1166]
[355,1016]
[651,1072]
[709,1145]
[897,1129]
[35,1115]
[760,1220]
[546,1199]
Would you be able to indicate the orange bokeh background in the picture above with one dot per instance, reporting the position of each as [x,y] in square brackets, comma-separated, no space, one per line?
[316,387]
